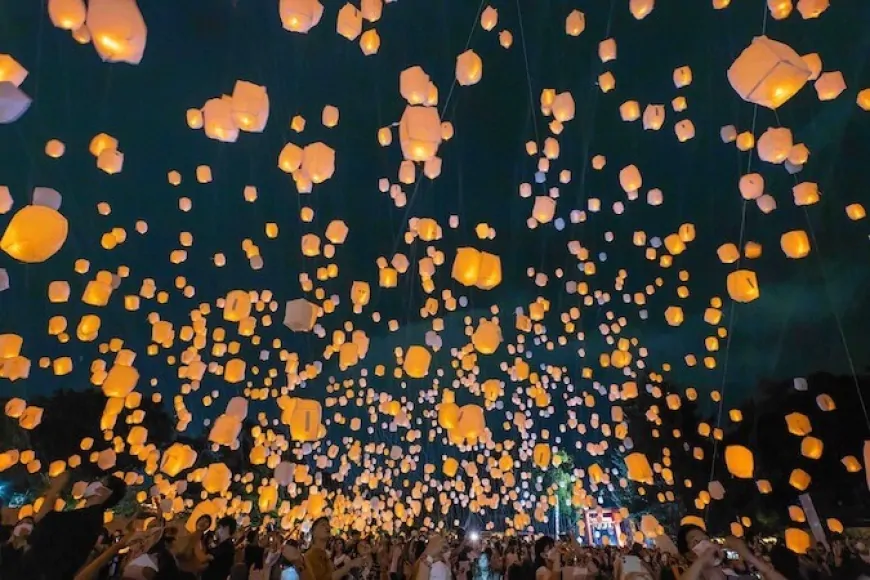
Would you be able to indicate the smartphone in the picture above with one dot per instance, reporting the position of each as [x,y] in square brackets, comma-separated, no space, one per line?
[731,555]
[631,565]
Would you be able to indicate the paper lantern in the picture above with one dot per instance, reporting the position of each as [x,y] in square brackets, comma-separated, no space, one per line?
[34,234]
[194,118]
[234,372]
[764,486]
[414,85]
[798,424]
[797,540]
[563,107]
[47,197]
[796,514]
[638,468]
[237,306]
[217,478]
[812,447]
[329,116]
[607,50]
[739,461]
[629,111]
[370,42]
[630,179]
[575,23]
[13,102]
[674,244]
[349,22]
[417,360]
[812,8]
[682,77]
[774,145]
[640,9]
[780,9]
[217,115]
[795,244]
[111,161]
[685,130]
[751,186]
[15,407]
[250,107]
[487,337]
[470,423]
[225,430]
[544,209]
[31,418]
[863,99]
[300,315]
[768,73]
[829,85]
[106,459]
[290,158]
[542,454]
[653,117]
[305,420]
[674,315]
[469,68]
[120,381]
[67,14]
[420,133]
[806,193]
[11,70]
[300,15]
[743,286]
[450,467]
[799,479]
[117,29]
[448,415]
[826,402]
[318,162]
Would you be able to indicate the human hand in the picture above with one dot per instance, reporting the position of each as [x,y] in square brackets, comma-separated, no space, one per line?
[737,545]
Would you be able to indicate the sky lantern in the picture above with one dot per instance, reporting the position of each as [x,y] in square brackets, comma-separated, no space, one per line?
[743,286]
[774,145]
[300,15]
[34,234]
[487,337]
[469,68]
[420,133]
[67,14]
[250,107]
[417,360]
[370,42]
[575,23]
[768,73]
[318,162]
[812,8]
[488,18]
[740,461]
[218,123]
[349,22]
[795,244]
[13,102]
[830,85]
[11,70]
[117,30]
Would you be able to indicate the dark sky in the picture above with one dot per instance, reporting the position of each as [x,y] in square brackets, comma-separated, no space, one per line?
[197,49]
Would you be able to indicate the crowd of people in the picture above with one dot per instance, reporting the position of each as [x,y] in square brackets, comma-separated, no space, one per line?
[74,545]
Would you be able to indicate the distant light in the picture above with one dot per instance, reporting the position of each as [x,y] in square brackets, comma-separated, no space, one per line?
[474,536]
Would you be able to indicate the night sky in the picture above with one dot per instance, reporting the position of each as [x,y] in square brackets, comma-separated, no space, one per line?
[197,49]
